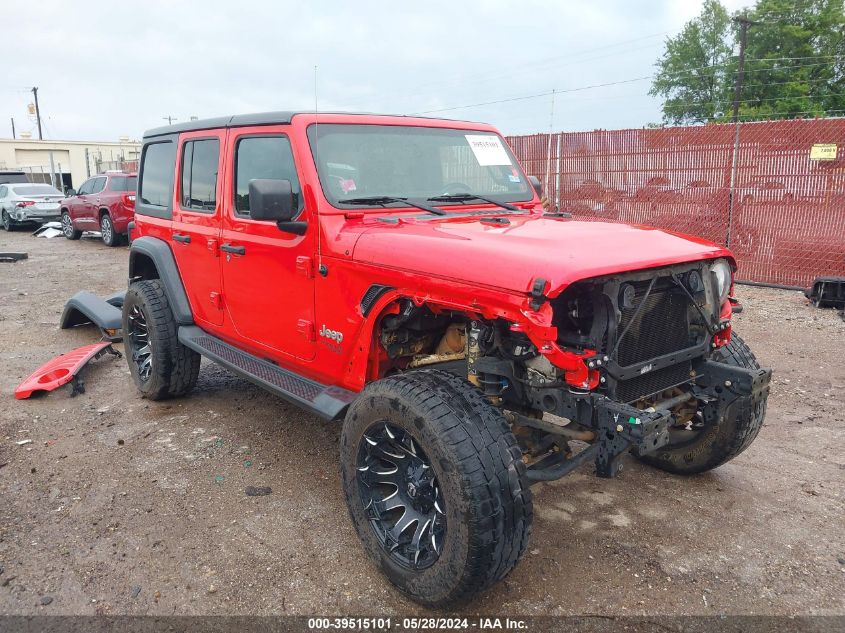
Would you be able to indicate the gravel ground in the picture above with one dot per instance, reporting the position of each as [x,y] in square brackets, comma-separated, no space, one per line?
[123,506]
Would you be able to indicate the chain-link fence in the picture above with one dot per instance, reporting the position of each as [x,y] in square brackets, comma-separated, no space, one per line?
[773,191]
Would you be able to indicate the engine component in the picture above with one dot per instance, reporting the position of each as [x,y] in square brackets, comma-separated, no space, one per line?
[453,341]
[540,372]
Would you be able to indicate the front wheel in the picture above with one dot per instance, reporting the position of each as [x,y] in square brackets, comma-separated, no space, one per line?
[67,227]
[713,445]
[435,485]
[159,364]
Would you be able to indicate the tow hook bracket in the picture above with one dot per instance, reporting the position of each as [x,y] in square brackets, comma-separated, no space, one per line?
[621,427]
[538,297]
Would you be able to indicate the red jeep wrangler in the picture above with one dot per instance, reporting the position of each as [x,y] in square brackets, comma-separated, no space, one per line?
[104,203]
[400,275]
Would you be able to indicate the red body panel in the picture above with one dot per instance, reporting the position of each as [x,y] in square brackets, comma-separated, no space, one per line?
[198,260]
[59,371]
[511,257]
[275,303]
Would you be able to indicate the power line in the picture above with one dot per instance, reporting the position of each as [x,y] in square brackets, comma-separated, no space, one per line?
[535,96]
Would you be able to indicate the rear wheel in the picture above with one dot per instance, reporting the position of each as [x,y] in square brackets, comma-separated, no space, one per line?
[110,238]
[67,227]
[435,485]
[713,445]
[6,221]
[160,365]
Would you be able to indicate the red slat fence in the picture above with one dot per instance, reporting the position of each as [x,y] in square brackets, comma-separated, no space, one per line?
[753,187]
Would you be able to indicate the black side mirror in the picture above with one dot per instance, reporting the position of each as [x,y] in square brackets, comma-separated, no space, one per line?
[270,200]
[70,193]
[538,186]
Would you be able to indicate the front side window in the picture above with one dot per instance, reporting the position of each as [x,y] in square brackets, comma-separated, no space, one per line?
[86,187]
[198,177]
[2,192]
[98,185]
[259,157]
[157,173]
[360,161]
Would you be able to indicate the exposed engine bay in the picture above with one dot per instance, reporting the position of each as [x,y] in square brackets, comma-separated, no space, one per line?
[647,338]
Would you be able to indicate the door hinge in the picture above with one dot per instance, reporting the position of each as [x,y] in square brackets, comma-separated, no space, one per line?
[216,300]
[305,266]
[213,247]
[306,328]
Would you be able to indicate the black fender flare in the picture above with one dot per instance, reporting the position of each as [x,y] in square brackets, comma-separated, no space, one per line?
[158,251]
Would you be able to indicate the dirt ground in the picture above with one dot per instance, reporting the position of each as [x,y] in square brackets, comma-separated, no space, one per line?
[124,506]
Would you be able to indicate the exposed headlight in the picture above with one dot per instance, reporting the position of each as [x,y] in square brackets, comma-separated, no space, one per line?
[721,271]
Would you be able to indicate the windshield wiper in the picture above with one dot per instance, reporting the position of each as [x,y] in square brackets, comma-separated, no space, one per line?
[466,197]
[384,200]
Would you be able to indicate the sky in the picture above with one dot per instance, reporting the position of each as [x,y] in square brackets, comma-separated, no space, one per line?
[107,69]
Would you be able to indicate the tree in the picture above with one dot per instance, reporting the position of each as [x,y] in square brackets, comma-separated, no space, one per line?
[794,63]
[692,73]
[794,60]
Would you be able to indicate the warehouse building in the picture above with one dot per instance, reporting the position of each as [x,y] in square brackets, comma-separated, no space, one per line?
[69,162]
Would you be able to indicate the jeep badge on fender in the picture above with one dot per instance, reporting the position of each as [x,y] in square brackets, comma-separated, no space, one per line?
[482,335]
[337,337]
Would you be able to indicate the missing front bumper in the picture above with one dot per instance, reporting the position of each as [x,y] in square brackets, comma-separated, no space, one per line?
[724,393]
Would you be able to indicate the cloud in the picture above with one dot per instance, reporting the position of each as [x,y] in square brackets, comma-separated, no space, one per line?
[109,69]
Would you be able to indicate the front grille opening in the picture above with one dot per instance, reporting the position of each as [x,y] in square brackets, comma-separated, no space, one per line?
[666,323]
[653,382]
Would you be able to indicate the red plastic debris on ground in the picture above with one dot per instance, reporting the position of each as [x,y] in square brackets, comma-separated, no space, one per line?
[59,371]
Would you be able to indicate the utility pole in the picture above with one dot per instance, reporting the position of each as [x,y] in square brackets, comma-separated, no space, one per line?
[13,128]
[549,149]
[37,113]
[744,23]
[169,119]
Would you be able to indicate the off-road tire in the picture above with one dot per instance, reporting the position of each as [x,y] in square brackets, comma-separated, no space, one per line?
[725,441]
[175,368]
[480,471]
[110,237]
[67,227]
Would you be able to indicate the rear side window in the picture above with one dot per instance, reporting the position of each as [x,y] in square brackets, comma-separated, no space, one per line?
[123,183]
[198,175]
[157,174]
[263,157]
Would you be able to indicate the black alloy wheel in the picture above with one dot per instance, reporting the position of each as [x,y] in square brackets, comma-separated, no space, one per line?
[401,496]
[139,336]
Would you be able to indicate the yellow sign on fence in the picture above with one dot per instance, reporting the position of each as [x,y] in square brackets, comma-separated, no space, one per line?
[823,151]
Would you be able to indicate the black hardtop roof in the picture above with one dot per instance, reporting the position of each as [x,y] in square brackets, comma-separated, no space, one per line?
[240,120]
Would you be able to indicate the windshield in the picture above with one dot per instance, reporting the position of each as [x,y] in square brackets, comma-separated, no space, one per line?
[36,190]
[357,161]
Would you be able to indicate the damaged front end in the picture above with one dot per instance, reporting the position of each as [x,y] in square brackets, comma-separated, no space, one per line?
[633,365]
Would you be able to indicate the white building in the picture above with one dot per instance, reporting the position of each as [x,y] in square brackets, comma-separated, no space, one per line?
[72,161]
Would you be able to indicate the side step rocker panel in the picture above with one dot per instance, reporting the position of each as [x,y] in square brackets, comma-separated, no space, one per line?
[326,401]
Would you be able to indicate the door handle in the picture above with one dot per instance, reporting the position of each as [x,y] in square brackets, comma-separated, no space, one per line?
[237,250]
[185,239]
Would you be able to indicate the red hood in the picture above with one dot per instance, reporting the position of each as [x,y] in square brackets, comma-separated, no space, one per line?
[512,256]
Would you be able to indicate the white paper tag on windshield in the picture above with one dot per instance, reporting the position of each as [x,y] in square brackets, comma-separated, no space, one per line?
[488,149]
